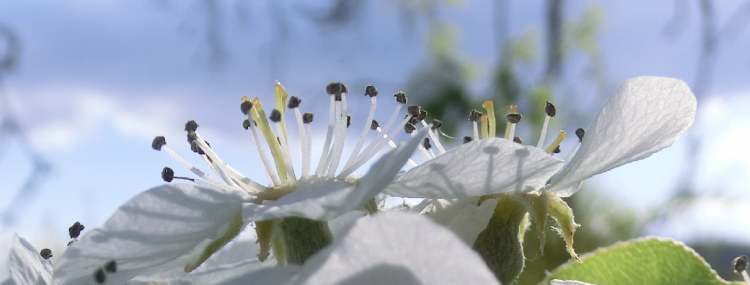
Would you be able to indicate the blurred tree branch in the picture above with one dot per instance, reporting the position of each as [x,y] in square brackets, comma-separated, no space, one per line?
[11,128]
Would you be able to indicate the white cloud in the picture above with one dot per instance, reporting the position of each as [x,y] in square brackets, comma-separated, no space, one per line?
[59,118]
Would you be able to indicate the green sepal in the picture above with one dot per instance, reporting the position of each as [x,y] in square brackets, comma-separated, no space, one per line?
[566,224]
[499,243]
[303,238]
[264,232]
[538,208]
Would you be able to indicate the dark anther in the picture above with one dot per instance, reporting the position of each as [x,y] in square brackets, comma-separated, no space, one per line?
[739,264]
[275,116]
[307,118]
[550,109]
[422,115]
[46,253]
[474,115]
[517,140]
[348,121]
[158,142]
[191,126]
[468,139]
[409,128]
[191,136]
[246,124]
[374,125]
[167,174]
[99,276]
[336,88]
[436,124]
[414,110]
[110,266]
[513,118]
[557,149]
[579,133]
[293,102]
[246,106]
[371,91]
[413,120]
[400,97]
[75,230]
[426,143]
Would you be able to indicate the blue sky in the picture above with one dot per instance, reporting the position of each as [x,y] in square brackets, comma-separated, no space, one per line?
[99,79]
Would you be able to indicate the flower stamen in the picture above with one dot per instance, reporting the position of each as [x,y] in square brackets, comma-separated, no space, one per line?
[372,92]
[474,116]
[342,119]
[160,144]
[167,174]
[489,109]
[256,141]
[323,161]
[259,117]
[555,146]
[550,110]
[513,117]
[294,103]
[276,118]
[281,102]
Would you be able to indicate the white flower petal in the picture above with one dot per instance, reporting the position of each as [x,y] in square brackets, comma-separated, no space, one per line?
[156,233]
[325,200]
[482,167]
[646,115]
[396,248]
[465,217]
[568,282]
[388,248]
[259,273]
[26,266]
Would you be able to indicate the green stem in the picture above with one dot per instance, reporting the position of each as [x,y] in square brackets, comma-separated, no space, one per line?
[303,238]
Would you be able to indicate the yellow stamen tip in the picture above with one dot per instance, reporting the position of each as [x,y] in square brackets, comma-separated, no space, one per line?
[489,109]
[513,109]
[560,137]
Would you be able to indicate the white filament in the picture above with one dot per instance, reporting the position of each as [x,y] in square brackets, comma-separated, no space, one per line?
[434,138]
[174,155]
[476,130]
[371,150]
[266,163]
[214,158]
[304,143]
[543,134]
[363,133]
[340,137]
[323,162]
[285,153]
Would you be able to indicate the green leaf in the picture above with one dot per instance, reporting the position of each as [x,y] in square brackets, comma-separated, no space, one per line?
[641,261]
[563,215]
[498,244]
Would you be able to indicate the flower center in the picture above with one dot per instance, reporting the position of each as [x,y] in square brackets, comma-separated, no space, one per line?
[270,136]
